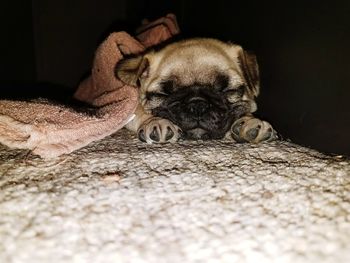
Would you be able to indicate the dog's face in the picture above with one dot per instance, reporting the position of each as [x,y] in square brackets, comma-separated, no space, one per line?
[201,85]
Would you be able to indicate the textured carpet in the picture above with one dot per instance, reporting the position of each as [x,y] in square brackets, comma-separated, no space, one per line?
[119,200]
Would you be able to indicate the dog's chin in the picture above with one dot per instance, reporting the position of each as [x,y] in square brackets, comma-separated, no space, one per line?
[196,134]
[200,134]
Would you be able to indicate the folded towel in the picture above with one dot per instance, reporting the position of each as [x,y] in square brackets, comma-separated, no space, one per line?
[50,129]
[166,26]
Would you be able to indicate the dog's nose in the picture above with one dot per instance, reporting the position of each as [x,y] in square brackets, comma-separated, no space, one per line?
[198,106]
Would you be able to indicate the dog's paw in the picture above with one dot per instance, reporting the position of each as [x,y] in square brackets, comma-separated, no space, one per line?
[158,130]
[250,129]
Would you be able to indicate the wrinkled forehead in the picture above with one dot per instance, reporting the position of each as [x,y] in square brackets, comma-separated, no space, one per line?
[197,65]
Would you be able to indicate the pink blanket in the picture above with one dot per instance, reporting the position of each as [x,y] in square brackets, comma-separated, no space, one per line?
[50,129]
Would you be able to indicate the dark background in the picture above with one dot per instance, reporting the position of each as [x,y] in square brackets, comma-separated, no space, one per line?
[303,48]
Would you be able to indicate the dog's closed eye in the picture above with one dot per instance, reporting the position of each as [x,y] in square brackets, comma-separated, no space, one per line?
[238,91]
[152,95]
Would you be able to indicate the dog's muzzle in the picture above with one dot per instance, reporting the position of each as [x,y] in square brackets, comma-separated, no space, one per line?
[201,113]
[195,126]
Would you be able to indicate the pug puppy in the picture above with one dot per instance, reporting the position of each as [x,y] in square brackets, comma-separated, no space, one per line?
[196,89]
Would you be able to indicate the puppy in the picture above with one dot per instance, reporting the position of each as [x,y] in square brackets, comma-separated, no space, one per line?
[196,89]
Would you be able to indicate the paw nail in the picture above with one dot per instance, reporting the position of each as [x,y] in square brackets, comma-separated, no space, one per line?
[269,136]
[141,136]
[154,135]
[169,134]
[236,128]
[251,134]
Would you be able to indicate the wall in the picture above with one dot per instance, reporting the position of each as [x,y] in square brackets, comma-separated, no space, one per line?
[66,35]
[17,63]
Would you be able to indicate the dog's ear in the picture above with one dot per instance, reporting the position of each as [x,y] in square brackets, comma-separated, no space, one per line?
[250,70]
[132,70]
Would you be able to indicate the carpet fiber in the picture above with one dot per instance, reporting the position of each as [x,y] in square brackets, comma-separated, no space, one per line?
[120,200]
